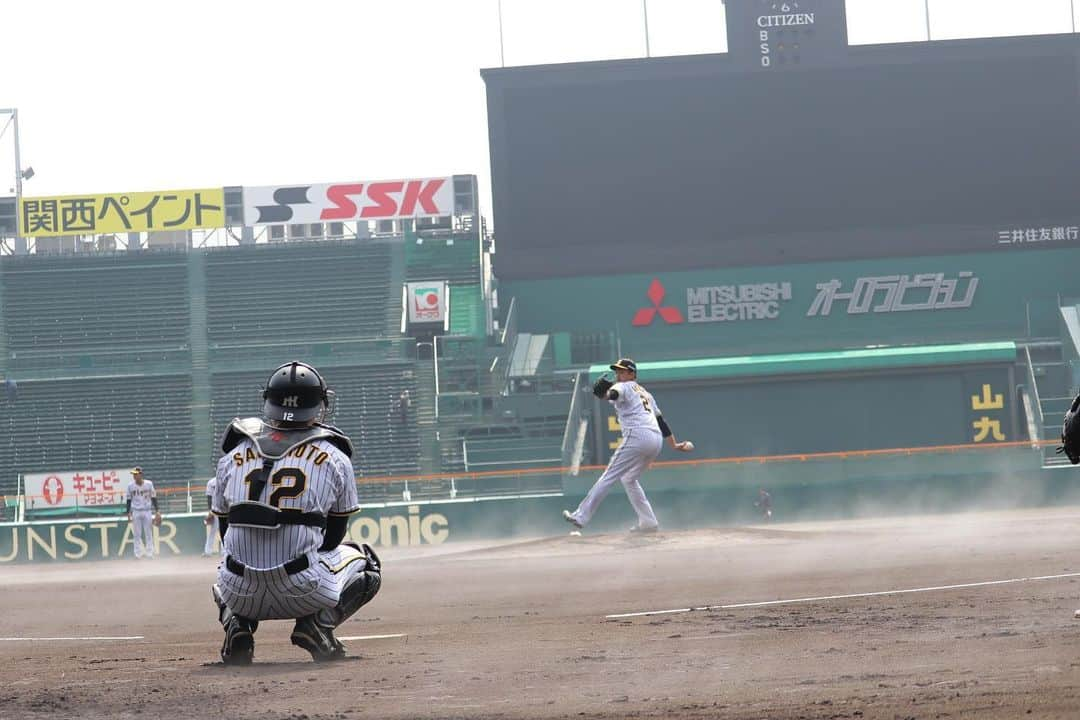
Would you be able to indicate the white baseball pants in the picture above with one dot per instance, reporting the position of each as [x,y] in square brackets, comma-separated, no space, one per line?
[275,595]
[142,526]
[212,534]
[637,451]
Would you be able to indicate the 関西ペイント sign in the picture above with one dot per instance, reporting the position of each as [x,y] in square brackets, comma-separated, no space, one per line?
[122,212]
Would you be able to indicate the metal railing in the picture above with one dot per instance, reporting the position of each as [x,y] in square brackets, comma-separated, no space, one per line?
[1029,412]
[1029,370]
[572,445]
[435,364]
[388,349]
[507,452]
[509,331]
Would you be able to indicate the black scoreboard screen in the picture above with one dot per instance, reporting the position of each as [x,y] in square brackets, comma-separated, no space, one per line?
[837,152]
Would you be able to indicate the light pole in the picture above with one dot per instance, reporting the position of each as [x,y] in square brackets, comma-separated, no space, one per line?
[645,12]
[20,241]
[502,55]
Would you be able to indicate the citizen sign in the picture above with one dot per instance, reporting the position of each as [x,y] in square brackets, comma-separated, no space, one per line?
[897,293]
[768,21]
[729,303]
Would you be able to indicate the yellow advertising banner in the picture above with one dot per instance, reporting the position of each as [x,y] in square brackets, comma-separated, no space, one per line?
[122,212]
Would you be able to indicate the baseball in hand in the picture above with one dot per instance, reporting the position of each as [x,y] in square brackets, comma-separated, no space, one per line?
[687,445]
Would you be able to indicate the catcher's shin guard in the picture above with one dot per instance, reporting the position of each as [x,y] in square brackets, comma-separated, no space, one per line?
[356,594]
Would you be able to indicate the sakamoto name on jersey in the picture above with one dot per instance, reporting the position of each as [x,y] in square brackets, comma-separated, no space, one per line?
[316,455]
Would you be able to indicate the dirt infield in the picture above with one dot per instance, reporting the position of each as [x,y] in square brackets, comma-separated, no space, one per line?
[519,630]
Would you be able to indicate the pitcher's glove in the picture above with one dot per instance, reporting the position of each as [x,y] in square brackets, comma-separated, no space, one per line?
[1070,433]
[600,387]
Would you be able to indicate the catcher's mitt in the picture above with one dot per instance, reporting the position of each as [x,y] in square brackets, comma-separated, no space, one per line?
[600,387]
[1070,433]
[157,519]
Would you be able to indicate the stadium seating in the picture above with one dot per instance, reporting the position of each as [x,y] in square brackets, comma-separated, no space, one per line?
[301,292]
[79,312]
[101,423]
[466,310]
[120,357]
[456,261]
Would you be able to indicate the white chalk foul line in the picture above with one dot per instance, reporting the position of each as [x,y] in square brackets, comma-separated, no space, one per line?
[373,637]
[91,637]
[820,598]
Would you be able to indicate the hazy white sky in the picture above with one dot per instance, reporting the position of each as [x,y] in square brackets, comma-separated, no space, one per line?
[128,95]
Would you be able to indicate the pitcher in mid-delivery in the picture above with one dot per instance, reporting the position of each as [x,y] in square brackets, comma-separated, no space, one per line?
[643,430]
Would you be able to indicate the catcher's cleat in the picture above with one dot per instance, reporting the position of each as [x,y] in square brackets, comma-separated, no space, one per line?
[569,517]
[239,646]
[317,640]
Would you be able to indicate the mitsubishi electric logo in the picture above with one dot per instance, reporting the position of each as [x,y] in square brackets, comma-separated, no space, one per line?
[291,401]
[727,303]
[719,303]
[644,316]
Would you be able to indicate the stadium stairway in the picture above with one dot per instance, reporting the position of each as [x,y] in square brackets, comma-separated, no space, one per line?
[1044,363]
[426,424]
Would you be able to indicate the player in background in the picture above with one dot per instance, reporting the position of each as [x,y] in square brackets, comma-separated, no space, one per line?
[285,490]
[211,521]
[764,504]
[142,508]
[643,430]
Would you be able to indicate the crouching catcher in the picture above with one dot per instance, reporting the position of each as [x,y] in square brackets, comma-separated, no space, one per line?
[285,490]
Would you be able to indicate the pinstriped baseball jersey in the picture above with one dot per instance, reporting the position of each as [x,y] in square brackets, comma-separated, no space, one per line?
[315,477]
[140,495]
[635,407]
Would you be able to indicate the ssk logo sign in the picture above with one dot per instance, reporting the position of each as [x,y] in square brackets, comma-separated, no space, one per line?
[645,315]
[339,202]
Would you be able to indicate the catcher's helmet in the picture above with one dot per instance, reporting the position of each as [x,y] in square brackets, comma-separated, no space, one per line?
[295,393]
